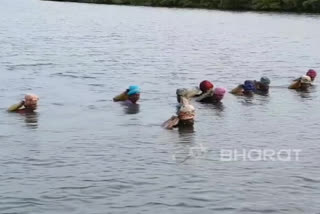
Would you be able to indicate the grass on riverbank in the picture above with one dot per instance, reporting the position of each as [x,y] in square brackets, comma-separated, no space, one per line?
[259,5]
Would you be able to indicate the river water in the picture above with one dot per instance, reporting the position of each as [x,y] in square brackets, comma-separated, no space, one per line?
[82,153]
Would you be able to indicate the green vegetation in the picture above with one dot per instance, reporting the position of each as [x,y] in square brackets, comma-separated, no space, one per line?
[264,5]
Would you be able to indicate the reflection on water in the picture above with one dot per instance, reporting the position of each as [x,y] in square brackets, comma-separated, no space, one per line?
[130,108]
[31,119]
[304,93]
[219,107]
[186,132]
[246,100]
[261,93]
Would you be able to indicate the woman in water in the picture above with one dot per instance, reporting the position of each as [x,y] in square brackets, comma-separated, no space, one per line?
[263,85]
[302,83]
[212,96]
[218,95]
[132,95]
[185,116]
[207,92]
[28,105]
[311,73]
[245,89]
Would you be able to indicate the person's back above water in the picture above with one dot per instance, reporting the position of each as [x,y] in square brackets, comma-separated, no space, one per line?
[303,83]
[245,89]
[28,105]
[132,95]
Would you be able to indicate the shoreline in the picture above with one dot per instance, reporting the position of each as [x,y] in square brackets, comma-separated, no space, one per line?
[306,6]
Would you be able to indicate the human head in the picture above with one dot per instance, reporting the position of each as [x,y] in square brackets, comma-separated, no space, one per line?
[219,93]
[31,101]
[264,84]
[133,93]
[206,86]
[312,74]
[186,111]
[305,82]
[248,87]
[265,81]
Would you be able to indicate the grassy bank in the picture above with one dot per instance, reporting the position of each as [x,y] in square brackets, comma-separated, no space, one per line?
[259,5]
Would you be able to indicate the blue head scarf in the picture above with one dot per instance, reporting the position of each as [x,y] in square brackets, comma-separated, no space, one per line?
[248,85]
[133,89]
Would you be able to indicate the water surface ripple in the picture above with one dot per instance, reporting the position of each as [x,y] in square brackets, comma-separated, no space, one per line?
[82,153]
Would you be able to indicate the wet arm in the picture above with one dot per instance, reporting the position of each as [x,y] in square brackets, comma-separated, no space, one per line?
[204,95]
[121,97]
[171,123]
[237,90]
[16,107]
[188,93]
[193,93]
[295,85]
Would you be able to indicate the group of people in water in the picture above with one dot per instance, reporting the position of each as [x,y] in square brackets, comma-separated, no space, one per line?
[205,93]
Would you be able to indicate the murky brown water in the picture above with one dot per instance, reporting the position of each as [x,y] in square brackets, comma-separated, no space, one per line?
[82,153]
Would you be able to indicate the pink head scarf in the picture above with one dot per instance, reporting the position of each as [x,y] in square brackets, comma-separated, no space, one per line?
[312,74]
[219,93]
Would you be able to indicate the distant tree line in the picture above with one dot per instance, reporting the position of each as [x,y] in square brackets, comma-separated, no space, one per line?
[265,5]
